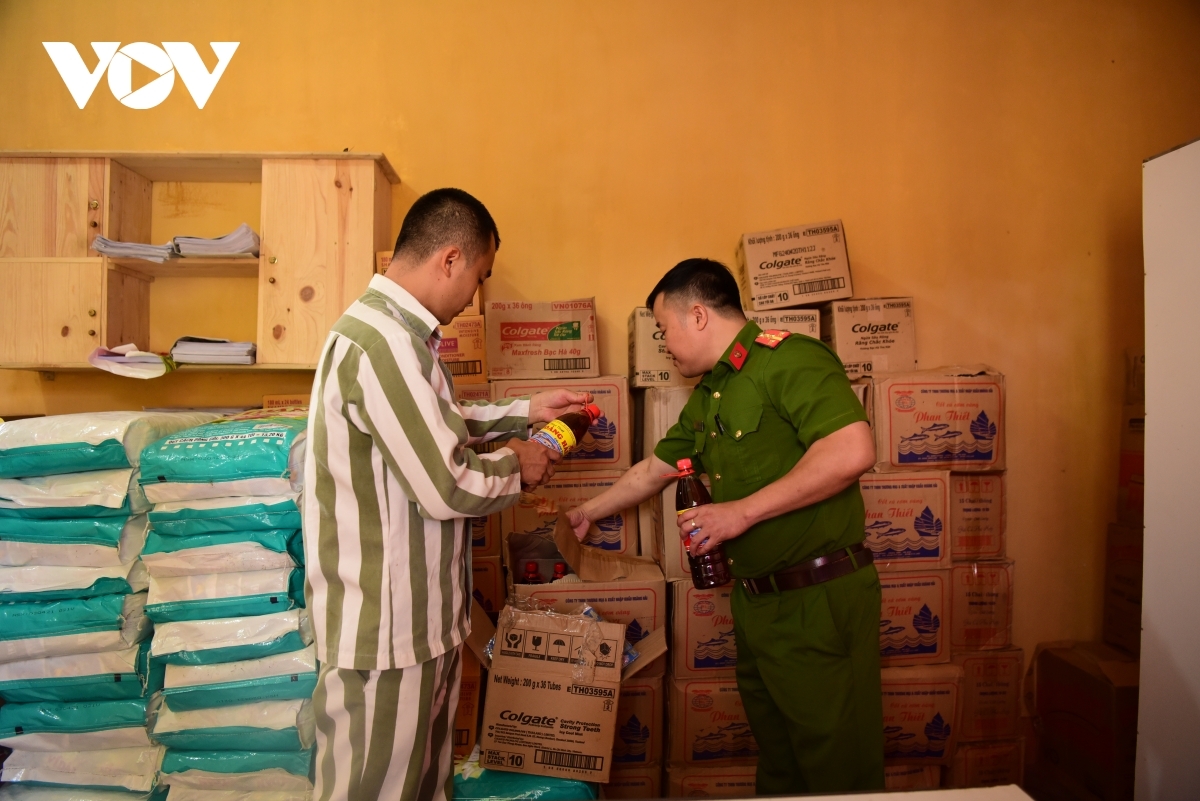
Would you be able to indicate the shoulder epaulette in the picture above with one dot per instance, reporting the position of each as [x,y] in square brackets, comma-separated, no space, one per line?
[772,338]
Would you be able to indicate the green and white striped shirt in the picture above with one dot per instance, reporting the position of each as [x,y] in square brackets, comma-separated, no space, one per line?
[389,481]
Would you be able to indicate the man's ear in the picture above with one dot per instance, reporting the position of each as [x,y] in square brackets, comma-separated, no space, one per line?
[699,314]
[447,257]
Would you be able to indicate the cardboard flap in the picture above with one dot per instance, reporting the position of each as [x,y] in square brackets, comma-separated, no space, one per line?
[481,634]
[649,648]
[593,564]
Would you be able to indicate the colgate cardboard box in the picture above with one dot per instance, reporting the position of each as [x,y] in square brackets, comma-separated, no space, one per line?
[951,418]
[977,517]
[639,740]
[912,777]
[467,393]
[991,694]
[702,641]
[914,621]
[988,764]
[542,340]
[798,266]
[650,365]
[466,717]
[633,783]
[798,321]
[536,513]
[724,781]
[908,519]
[871,335]
[708,724]
[920,714]
[608,444]
[462,350]
[981,610]
[487,583]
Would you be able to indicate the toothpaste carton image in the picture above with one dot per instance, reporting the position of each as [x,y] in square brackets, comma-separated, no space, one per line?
[908,519]
[798,266]
[871,335]
[650,365]
[914,621]
[541,340]
[982,606]
[920,714]
[703,644]
[798,321]
[951,418]
[977,516]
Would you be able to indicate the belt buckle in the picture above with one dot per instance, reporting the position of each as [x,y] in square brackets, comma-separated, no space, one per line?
[748,587]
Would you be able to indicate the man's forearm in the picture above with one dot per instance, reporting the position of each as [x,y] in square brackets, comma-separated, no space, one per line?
[642,481]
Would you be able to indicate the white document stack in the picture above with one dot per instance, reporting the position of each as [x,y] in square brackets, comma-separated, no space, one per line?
[207,350]
[241,242]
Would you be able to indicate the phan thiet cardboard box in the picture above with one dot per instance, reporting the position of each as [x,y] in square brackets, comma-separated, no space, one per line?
[640,722]
[536,513]
[920,714]
[656,516]
[951,418]
[977,516]
[863,391]
[991,694]
[485,535]
[702,641]
[722,781]
[383,259]
[466,718]
[608,444]
[871,335]
[798,266]
[553,693]
[633,783]
[542,340]
[707,724]
[1123,588]
[988,764]
[915,618]
[981,606]
[650,365]
[487,583]
[912,777]
[908,519]
[798,321]
[462,350]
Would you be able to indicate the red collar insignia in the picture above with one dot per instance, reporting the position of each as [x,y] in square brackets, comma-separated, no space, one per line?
[772,338]
[737,356]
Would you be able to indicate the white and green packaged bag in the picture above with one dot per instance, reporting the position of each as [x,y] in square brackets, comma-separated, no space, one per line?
[99,493]
[268,725]
[212,642]
[81,626]
[191,794]
[220,595]
[105,676]
[74,443]
[74,725]
[272,678]
[255,453]
[225,515]
[52,583]
[114,769]
[226,552]
[247,771]
[72,542]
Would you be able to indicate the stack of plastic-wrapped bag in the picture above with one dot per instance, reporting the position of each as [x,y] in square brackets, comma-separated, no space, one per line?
[226,574]
[75,673]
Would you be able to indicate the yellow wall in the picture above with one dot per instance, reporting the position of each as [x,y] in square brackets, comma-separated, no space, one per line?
[985,158]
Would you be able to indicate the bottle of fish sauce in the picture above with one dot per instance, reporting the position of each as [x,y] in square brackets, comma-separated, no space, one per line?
[711,569]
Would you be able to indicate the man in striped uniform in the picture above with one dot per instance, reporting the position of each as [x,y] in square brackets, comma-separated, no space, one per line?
[391,477]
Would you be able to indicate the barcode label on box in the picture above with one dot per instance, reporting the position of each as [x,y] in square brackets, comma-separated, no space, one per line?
[472,367]
[567,364]
[562,759]
[823,285]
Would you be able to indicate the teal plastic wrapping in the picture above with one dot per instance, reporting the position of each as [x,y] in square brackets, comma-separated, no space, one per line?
[292,641]
[99,587]
[11,512]
[294,762]
[231,738]
[71,717]
[231,449]
[103,531]
[146,680]
[64,457]
[496,785]
[237,606]
[254,514]
[232,693]
[275,540]
[20,621]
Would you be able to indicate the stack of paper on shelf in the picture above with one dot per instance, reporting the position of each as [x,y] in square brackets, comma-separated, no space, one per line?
[207,350]
[242,242]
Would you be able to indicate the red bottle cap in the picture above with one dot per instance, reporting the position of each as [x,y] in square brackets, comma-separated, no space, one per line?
[592,411]
[560,567]
[684,466]
[531,567]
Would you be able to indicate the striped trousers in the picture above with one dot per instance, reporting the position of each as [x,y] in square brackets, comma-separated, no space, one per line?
[387,734]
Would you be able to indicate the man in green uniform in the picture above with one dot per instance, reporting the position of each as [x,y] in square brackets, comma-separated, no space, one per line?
[777,428]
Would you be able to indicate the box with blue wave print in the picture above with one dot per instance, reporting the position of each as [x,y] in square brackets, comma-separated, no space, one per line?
[608,444]
[536,514]
[708,724]
[914,622]
[702,641]
[921,714]
[951,418]
[639,738]
[908,519]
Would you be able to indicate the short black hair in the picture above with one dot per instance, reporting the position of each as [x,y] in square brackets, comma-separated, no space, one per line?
[705,280]
[445,217]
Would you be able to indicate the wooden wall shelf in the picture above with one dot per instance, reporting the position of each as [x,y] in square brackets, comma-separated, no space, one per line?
[190,268]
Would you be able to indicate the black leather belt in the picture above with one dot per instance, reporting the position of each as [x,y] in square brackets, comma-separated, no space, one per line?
[814,571]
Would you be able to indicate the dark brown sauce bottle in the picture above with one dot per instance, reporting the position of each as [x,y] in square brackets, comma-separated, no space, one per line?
[710,570]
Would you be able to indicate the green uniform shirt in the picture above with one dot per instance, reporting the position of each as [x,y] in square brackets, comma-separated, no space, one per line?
[748,422]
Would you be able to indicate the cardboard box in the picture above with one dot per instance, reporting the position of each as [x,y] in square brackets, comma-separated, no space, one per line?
[702,641]
[383,260]
[553,691]
[912,777]
[1087,698]
[908,519]
[977,516]
[608,444]
[634,783]
[707,723]
[991,694]
[988,764]
[462,350]
[920,714]
[1123,588]
[1131,482]
[485,535]
[469,393]
[798,321]
[537,512]
[661,409]
[542,340]
[863,391]
[272,402]
[798,266]
[649,363]
[466,717]
[871,335]
[640,722]
[487,583]
[725,781]
[915,618]
[951,418]
[981,606]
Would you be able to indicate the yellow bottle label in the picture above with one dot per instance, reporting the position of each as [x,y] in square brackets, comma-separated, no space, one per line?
[557,436]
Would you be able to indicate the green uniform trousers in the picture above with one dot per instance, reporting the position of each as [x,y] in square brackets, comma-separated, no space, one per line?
[808,673]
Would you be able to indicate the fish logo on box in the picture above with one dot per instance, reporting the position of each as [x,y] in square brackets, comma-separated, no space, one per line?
[904,744]
[632,741]
[164,62]
[890,540]
[939,443]
[600,442]
[715,653]
[893,641]
[732,741]
[608,536]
